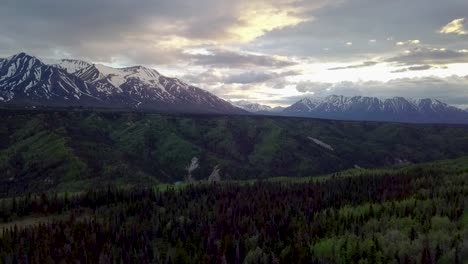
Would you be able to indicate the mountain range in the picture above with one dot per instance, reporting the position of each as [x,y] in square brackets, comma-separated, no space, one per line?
[397,109]
[26,81]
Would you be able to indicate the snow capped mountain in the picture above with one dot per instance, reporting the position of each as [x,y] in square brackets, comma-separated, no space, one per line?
[71,66]
[256,107]
[146,88]
[26,80]
[396,109]
[251,107]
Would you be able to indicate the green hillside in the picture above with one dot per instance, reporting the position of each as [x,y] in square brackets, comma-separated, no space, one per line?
[60,150]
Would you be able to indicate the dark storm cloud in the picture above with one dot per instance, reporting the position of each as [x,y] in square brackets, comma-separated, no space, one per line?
[355,66]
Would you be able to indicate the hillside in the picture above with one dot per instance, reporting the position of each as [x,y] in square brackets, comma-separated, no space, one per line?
[60,150]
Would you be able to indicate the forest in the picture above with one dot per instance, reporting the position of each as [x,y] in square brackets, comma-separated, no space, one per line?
[59,150]
[406,214]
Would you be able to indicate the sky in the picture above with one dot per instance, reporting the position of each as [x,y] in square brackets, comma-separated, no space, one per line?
[272,52]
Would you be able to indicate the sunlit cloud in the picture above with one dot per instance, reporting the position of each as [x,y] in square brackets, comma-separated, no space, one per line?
[457,27]
[409,42]
[254,23]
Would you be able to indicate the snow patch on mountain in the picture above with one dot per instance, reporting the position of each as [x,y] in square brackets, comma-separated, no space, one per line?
[192,167]
[215,175]
[322,144]
[71,66]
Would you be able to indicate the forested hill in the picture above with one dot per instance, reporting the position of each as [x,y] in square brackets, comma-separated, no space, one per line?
[413,214]
[65,150]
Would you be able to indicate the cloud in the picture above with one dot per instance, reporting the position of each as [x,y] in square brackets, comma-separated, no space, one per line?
[348,21]
[409,42]
[451,90]
[355,66]
[143,32]
[207,78]
[217,77]
[456,27]
[249,77]
[430,56]
[255,22]
[257,77]
[227,58]
[415,68]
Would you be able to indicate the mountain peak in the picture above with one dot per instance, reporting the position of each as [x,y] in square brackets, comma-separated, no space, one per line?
[71,65]
[21,56]
[18,55]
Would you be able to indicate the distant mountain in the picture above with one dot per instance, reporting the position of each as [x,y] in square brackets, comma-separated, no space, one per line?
[277,109]
[25,80]
[251,107]
[256,107]
[397,109]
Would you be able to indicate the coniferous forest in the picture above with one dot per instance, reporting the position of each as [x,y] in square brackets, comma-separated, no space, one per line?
[410,214]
